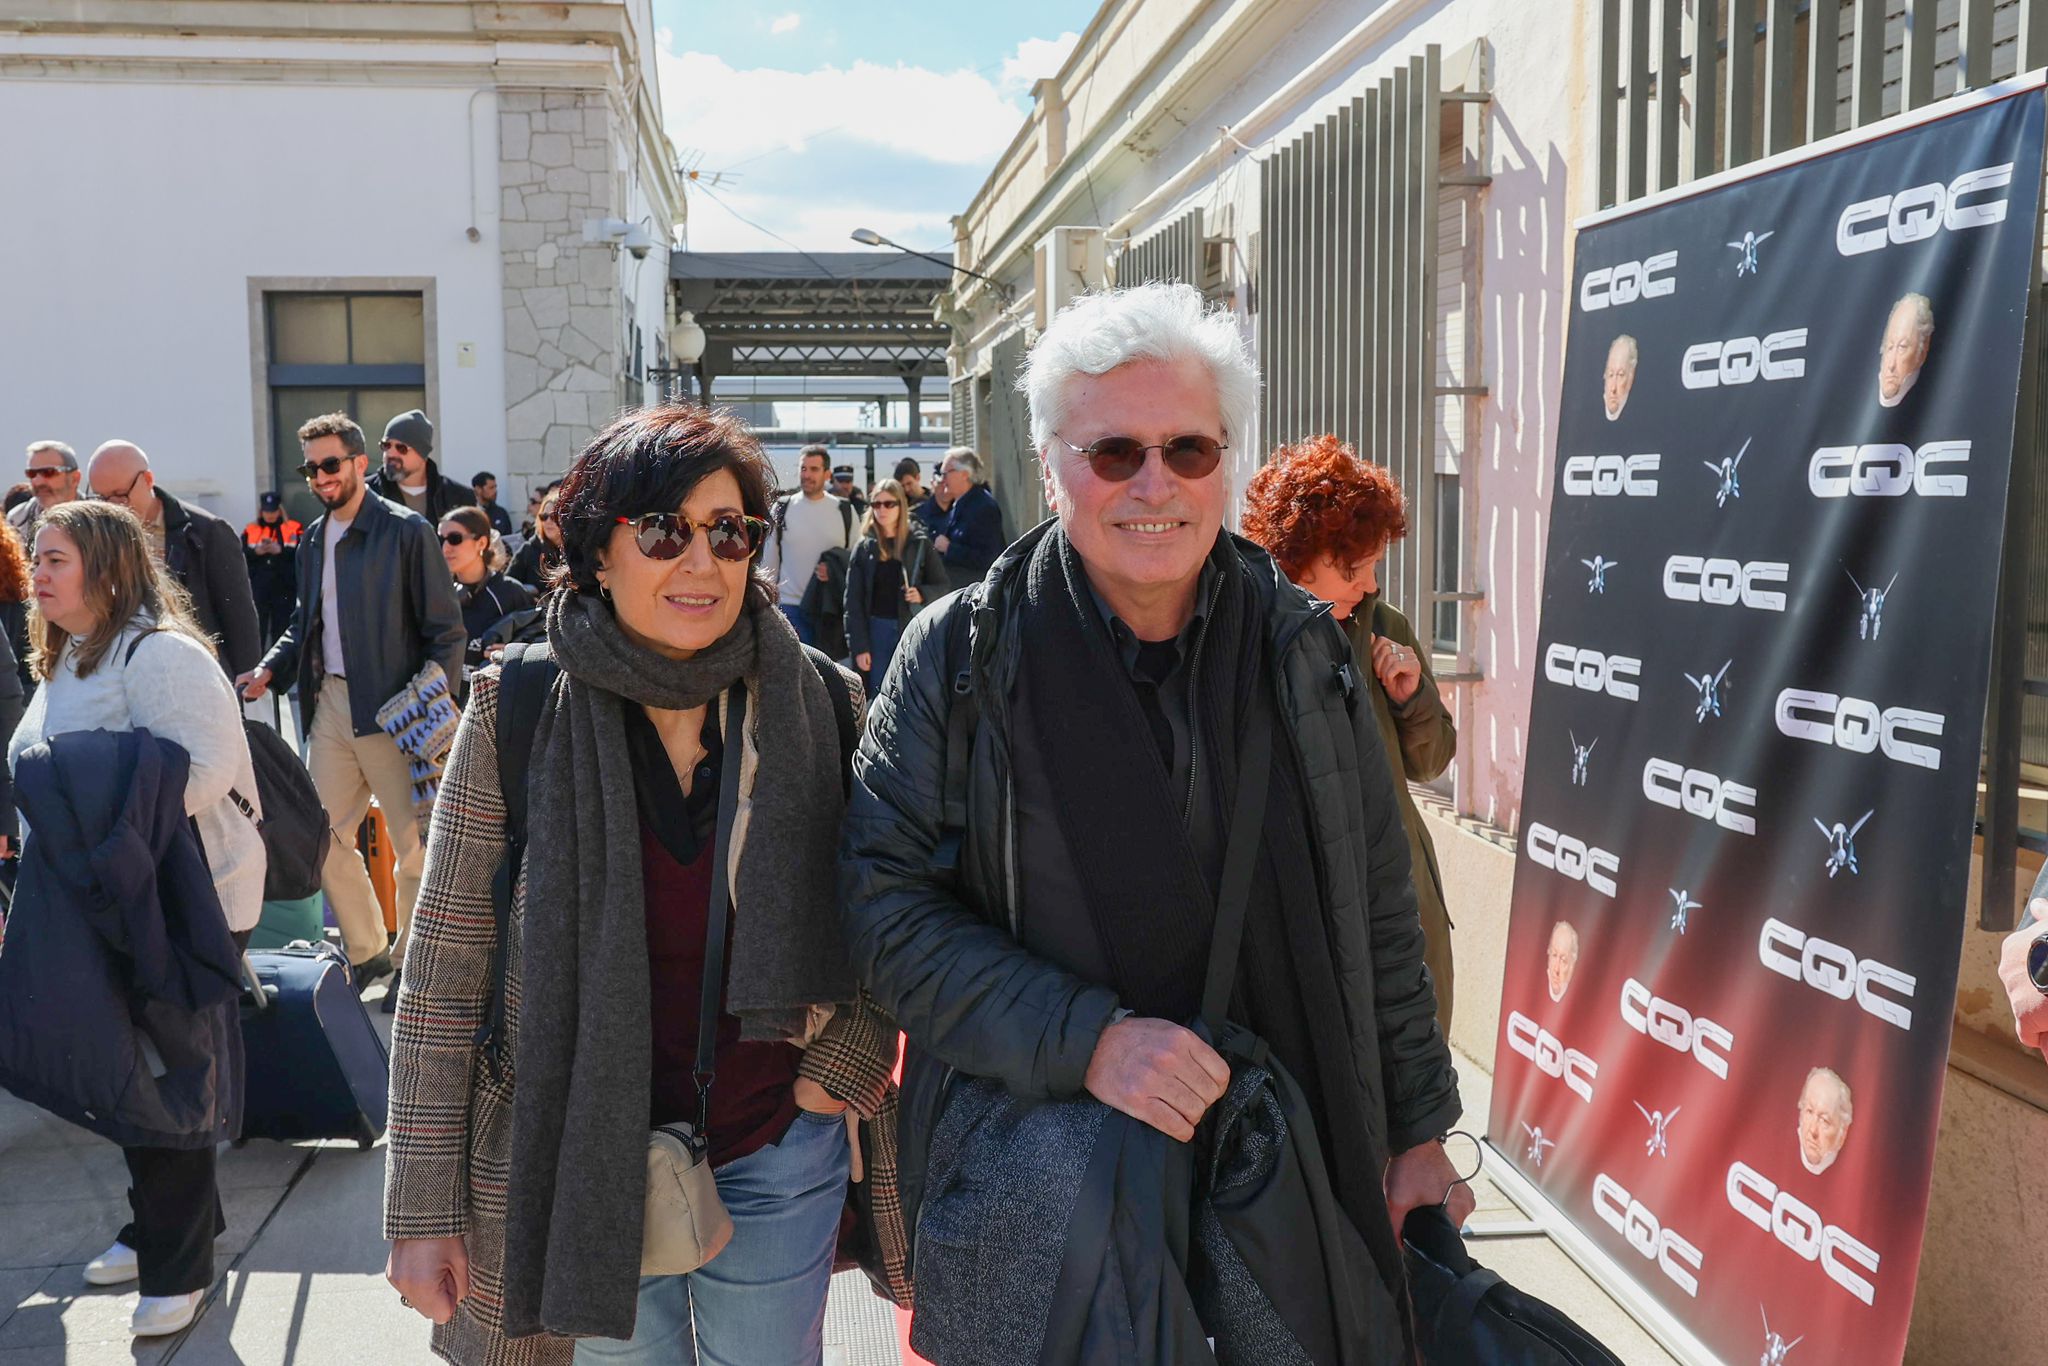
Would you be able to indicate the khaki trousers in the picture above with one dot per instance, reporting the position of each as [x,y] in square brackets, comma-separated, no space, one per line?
[349,769]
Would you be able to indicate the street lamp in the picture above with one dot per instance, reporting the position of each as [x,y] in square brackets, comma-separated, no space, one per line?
[868,237]
[685,349]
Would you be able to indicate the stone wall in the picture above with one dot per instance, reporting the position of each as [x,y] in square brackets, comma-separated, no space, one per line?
[563,312]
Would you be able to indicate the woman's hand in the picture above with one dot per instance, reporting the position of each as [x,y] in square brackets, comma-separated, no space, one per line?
[864,661]
[815,1098]
[1400,672]
[430,1274]
[913,595]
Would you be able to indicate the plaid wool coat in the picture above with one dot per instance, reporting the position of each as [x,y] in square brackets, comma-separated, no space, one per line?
[451,1118]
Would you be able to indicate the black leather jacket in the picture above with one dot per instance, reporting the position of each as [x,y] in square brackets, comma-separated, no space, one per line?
[444,495]
[398,610]
[205,555]
[943,953]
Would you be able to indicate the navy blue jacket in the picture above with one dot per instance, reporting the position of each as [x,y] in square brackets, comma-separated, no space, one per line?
[120,981]
[974,534]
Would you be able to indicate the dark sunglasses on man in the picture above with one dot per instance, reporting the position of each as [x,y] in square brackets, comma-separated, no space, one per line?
[1117,458]
[45,471]
[665,536]
[398,446]
[333,464]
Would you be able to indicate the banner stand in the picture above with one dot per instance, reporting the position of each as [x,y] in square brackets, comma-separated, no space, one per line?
[1607,1273]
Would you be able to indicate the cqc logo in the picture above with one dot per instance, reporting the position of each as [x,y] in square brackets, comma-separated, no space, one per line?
[1741,360]
[1914,215]
[1591,671]
[1676,1028]
[1573,858]
[1724,583]
[1653,277]
[1611,476]
[1626,1215]
[1799,1227]
[1855,725]
[1552,1059]
[1834,971]
[1888,471]
[1701,794]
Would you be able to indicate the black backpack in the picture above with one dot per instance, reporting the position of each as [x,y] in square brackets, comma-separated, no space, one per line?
[526,675]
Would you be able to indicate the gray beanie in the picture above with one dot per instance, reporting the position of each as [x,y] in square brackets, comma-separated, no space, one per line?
[413,429]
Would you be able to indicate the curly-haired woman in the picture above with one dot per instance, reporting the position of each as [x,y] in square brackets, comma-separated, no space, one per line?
[1327,517]
[14,596]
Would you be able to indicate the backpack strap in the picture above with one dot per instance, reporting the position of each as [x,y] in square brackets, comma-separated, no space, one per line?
[842,711]
[963,717]
[524,681]
[846,521]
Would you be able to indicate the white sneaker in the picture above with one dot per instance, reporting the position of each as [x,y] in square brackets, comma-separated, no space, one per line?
[115,1266]
[161,1315]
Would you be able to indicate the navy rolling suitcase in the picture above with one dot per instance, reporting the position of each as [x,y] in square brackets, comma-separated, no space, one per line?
[316,1067]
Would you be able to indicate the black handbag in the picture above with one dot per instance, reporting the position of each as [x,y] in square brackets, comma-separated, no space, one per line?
[1467,1315]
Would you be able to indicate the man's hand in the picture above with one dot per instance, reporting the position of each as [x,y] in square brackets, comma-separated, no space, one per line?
[865,661]
[2029,1006]
[1158,1072]
[913,594]
[430,1274]
[1400,672]
[1420,1177]
[942,544]
[253,684]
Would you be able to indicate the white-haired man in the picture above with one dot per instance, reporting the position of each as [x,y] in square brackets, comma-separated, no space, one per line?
[1826,1110]
[1618,380]
[1065,759]
[1560,959]
[1908,335]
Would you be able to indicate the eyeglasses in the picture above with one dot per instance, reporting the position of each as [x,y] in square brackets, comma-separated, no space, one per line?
[454,538]
[545,517]
[398,446]
[883,503]
[1117,458]
[665,536]
[45,471]
[123,496]
[333,464]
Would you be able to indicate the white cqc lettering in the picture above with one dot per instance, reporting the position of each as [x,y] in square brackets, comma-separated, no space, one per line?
[1626,1215]
[1724,583]
[1611,476]
[1832,969]
[1676,1028]
[1573,858]
[1860,727]
[1614,286]
[1552,1059]
[1919,213]
[1795,1224]
[1700,794]
[1711,364]
[1591,671]
[1888,471]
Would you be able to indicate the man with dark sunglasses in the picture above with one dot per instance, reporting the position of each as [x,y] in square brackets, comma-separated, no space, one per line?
[53,478]
[410,477]
[375,606]
[1134,751]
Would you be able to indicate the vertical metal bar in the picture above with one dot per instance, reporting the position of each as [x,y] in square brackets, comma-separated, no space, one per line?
[1312,304]
[1262,303]
[1406,81]
[1670,24]
[1350,281]
[1866,80]
[1329,374]
[1399,436]
[1371,218]
[1706,84]
[2033,36]
[1781,110]
[1916,74]
[1297,263]
[1344,333]
[1973,53]
[1606,98]
[1737,146]
[1429,146]
[1823,63]
[1638,98]
[1382,287]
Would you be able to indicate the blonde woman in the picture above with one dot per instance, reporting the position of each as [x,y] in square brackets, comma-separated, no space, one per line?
[893,575]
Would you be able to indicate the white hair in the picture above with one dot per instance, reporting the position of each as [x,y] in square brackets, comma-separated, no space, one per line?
[1842,1093]
[1634,355]
[1159,322]
[1923,314]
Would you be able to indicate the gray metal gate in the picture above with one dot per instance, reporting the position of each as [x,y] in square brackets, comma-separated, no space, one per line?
[1174,252]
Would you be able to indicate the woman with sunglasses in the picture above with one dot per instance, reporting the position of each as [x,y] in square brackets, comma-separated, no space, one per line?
[516,1187]
[530,565]
[893,575]
[488,596]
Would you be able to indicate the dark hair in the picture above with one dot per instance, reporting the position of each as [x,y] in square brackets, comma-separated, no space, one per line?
[1316,498]
[470,519]
[822,452]
[334,424]
[17,495]
[482,477]
[648,461]
[909,465]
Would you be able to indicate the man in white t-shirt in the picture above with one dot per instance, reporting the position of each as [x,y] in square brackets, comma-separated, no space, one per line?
[807,524]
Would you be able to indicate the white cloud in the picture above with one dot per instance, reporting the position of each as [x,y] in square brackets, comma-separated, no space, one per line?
[786,23]
[1037,58]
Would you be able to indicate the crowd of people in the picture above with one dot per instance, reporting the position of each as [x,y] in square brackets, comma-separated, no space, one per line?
[1108,824]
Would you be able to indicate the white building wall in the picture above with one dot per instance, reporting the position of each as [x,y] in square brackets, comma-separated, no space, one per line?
[139,212]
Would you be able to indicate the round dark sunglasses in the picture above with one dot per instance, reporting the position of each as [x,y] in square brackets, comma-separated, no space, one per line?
[664,535]
[1117,458]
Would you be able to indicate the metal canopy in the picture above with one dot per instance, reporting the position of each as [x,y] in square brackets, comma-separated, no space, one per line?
[814,313]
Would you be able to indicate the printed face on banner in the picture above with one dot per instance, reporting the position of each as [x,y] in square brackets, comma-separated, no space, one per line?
[1751,792]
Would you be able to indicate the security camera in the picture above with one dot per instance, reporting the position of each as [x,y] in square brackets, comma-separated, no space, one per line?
[639,241]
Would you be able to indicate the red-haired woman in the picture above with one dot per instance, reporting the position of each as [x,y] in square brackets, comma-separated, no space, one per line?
[14,602]
[1327,517]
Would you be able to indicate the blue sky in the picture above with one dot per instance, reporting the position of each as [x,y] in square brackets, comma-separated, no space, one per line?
[828,117]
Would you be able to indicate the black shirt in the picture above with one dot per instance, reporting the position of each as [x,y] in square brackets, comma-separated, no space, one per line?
[885,589]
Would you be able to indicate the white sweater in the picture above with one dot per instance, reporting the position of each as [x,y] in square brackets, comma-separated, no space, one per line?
[176,691]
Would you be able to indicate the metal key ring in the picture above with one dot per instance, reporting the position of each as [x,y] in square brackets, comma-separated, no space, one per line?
[1479,1161]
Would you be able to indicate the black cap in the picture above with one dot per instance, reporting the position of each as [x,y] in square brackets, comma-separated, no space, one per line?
[842,471]
[270,502]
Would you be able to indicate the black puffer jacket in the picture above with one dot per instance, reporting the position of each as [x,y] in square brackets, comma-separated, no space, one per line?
[118,986]
[944,956]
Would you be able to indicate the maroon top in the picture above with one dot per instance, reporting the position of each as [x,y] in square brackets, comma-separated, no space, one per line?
[753,1100]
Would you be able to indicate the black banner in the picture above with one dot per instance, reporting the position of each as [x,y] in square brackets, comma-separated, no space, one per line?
[1782,457]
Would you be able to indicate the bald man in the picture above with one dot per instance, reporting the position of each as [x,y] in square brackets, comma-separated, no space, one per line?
[1826,1110]
[1908,336]
[201,550]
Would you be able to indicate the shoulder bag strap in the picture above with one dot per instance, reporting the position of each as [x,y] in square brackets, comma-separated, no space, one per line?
[842,712]
[708,1008]
[523,679]
[1247,822]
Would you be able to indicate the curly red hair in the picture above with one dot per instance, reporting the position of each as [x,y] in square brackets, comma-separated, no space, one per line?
[1317,498]
[13,565]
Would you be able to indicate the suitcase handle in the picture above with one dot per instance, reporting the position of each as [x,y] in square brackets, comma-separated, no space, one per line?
[255,984]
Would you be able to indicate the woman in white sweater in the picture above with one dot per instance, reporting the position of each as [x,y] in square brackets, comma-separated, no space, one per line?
[115,646]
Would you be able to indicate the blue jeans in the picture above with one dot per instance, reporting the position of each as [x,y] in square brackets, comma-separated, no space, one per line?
[761,1302]
[883,633]
[801,622]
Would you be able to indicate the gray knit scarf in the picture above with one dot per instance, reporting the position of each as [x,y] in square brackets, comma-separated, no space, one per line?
[583,1063]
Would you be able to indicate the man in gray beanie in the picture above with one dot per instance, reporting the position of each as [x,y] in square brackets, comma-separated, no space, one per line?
[410,477]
